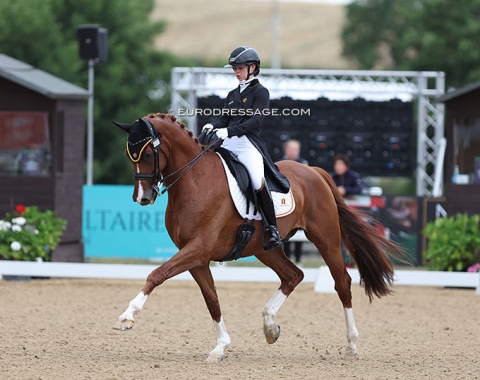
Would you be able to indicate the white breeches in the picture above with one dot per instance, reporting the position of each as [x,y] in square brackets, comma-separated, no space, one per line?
[249,156]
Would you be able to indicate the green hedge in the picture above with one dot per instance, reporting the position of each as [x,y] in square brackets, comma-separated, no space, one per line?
[453,243]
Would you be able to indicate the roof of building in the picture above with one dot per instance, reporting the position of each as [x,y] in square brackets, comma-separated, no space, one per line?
[38,80]
[459,92]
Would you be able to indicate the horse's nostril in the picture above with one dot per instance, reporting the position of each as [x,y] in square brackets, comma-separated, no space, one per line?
[145,201]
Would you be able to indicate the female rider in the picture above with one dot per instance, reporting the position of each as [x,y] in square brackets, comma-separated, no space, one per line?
[239,128]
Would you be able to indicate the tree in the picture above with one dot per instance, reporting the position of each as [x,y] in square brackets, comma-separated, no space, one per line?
[29,32]
[132,84]
[420,35]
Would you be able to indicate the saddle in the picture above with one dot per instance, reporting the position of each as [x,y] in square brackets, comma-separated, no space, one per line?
[274,181]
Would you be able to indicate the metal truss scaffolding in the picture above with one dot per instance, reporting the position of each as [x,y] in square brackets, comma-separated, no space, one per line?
[424,88]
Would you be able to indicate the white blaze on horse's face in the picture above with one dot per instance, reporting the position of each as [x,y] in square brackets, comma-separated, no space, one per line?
[140,189]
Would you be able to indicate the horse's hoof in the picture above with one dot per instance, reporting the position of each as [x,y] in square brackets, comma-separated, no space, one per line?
[271,333]
[351,353]
[215,358]
[123,325]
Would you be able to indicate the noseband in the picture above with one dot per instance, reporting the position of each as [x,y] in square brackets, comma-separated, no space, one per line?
[157,177]
[155,143]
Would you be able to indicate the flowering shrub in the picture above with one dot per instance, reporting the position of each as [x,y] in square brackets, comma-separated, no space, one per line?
[474,268]
[29,233]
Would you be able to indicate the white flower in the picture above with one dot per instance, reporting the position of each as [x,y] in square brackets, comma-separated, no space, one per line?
[16,246]
[3,225]
[16,228]
[36,232]
[20,220]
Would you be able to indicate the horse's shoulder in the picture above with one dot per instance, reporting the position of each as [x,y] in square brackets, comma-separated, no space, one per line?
[214,158]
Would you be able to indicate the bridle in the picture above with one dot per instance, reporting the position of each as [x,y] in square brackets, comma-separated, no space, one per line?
[158,180]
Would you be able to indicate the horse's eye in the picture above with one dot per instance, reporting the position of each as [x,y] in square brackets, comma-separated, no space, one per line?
[148,156]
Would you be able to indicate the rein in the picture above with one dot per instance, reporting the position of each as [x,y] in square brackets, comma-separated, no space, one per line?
[157,178]
[190,163]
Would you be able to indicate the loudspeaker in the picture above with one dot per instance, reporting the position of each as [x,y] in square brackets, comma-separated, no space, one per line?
[93,42]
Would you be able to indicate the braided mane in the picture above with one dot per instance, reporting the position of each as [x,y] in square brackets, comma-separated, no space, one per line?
[174,120]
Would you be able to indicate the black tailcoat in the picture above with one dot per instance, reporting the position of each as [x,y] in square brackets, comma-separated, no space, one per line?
[243,115]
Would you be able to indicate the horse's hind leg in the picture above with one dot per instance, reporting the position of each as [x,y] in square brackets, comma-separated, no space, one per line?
[204,279]
[290,276]
[343,283]
[329,246]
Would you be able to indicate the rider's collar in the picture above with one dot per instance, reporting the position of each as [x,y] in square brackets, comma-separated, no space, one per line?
[244,83]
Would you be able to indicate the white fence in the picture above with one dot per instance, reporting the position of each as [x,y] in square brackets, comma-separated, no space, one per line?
[320,277]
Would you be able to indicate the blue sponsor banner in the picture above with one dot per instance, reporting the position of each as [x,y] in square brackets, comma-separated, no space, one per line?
[115,226]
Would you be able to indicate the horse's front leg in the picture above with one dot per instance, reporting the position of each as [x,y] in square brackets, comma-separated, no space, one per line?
[126,320]
[204,279]
[179,263]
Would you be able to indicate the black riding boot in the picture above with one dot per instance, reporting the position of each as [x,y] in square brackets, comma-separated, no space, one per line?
[267,210]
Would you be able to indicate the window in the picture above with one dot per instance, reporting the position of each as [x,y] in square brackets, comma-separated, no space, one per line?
[24,144]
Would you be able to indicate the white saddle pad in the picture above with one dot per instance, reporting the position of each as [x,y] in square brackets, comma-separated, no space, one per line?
[284,203]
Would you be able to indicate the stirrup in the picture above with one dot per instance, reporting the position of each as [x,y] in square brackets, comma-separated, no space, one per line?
[274,240]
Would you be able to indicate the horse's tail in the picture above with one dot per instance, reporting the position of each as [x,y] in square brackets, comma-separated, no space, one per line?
[367,246]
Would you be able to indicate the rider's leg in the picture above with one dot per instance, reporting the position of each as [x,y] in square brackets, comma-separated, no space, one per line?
[267,210]
[253,161]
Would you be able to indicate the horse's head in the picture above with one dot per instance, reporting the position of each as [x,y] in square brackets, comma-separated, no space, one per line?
[143,149]
[162,151]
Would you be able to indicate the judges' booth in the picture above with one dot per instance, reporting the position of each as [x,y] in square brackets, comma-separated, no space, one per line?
[462,157]
[42,124]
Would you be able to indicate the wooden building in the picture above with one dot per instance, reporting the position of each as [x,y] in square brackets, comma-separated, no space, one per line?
[462,131]
[42,132]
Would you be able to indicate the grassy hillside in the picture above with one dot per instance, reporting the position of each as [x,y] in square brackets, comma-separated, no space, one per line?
[210,29]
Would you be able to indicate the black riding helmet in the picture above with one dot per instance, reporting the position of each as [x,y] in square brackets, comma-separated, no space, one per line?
[244,55]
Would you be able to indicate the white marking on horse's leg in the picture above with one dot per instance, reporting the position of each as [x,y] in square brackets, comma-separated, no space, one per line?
[270,310]
[126,320]
[140,190]
[352,332]
[223,341]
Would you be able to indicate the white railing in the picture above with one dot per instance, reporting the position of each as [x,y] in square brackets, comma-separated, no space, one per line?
[319,276]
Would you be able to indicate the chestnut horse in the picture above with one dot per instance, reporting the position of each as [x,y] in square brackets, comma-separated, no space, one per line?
[202,221]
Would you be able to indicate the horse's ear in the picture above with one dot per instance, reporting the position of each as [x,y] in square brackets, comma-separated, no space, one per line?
[147,126]
[126,127]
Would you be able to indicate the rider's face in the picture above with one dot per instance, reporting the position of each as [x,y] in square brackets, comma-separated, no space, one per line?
[241,71]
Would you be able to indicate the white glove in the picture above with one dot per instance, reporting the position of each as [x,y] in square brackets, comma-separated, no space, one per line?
[207,128]
[222,133]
